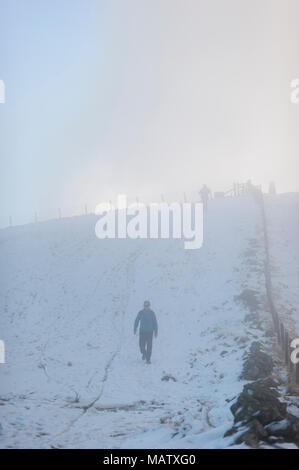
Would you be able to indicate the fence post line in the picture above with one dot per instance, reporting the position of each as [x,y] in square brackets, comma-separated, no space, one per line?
[85,209]
[276,324]
[277,327]
[287,348]
[278,331]
[291,362]
[185,197]
[282,335]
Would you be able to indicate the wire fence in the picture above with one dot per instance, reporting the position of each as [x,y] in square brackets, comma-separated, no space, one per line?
[284,337]
[191,196]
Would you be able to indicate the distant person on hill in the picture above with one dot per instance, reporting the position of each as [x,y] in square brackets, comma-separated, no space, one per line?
[205,195]
[272,188]
[148,326]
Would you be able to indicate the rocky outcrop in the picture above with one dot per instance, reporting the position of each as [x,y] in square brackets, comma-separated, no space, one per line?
[257,406]
[259,400]
[258,364]
[249,298]
[285,431]
[259,414]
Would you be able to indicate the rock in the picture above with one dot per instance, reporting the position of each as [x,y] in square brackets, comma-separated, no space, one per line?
[260,400]
[259,415]
[258,364]
[287,429]
[253,434]
[248,297]
[167,377]
[259,410]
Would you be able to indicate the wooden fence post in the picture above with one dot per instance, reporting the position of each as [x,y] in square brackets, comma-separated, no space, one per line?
[291,362]
[282,336]
[287,348]
[278,333]
[278,328]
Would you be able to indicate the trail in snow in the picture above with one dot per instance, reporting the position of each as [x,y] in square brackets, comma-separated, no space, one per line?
[74,377]
[123,306]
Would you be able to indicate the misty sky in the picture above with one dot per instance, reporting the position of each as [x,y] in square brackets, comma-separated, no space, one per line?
[143,97]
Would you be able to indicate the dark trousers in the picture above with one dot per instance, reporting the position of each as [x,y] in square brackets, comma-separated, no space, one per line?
[145,344]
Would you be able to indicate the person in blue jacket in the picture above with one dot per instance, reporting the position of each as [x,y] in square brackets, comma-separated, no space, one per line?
[148,326]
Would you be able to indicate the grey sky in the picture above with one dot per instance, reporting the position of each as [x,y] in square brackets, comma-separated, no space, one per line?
[143,97]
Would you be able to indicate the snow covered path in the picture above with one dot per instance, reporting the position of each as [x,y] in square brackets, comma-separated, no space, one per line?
[74,376]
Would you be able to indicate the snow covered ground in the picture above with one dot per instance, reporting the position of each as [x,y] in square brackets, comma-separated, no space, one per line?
[73,375]
[282,212]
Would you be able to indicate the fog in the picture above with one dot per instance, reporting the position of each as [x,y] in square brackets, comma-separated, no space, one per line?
[142,98]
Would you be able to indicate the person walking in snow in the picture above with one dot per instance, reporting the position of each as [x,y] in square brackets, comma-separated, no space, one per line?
[148,326]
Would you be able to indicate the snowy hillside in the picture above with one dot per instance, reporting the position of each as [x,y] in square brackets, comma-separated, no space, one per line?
[73,375]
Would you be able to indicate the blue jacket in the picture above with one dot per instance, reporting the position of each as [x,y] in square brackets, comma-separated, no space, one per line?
[148,322]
